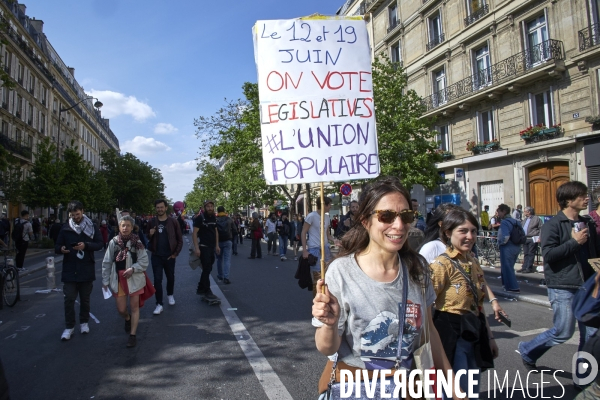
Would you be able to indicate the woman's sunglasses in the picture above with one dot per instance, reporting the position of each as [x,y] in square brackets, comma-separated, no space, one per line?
[389,216]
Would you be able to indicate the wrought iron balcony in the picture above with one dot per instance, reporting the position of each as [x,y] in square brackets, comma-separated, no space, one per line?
[474,16]
[393,25]
[15,147]
[505,70]
[435,41]
[589,37]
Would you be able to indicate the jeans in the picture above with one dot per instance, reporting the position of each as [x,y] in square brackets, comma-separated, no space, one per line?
[529,250]
[234,245]
[255,251]
[21,246]
[224,260]
[283,244]
[70,292]
[272,242]
[563,329]
[207,259]
[160,263]
[508,258]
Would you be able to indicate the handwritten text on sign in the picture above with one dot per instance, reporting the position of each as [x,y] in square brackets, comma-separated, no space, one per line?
[316,100]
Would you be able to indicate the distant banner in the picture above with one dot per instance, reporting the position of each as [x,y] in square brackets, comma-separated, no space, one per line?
[316,100]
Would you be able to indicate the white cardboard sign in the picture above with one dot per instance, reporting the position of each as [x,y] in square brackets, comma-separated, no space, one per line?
[316,100]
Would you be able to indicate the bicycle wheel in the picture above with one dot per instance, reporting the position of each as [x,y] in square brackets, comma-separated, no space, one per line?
[11,287]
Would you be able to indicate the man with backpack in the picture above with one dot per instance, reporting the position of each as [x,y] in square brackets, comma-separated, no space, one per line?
[510,238]
[165,243]
[206,243]
[227,232]
[568,242]
[21,235]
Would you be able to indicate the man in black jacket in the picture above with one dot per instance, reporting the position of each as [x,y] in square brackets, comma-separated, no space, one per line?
[77,242]
[568,242]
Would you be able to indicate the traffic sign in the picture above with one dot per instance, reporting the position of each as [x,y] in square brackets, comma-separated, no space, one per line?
[346,189]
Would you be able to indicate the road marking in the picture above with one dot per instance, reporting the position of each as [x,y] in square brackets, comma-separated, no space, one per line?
[272,385]
[574,339]
[91,315]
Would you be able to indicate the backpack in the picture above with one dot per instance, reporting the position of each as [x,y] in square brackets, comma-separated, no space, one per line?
[223,229]
[517,234]
[17,233]
[586,302]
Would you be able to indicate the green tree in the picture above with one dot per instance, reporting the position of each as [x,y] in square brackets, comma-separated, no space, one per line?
[78,178]
[407,147]
[102,199]
[134,184]
[232,135]
[44,187]
[11,176]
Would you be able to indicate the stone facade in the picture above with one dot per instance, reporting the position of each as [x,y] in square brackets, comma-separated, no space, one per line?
[489,69]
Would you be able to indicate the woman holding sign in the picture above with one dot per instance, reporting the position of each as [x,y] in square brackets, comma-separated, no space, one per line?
[378,290]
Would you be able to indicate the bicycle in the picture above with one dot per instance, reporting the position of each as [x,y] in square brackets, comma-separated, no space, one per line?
[9,282]
[488,248]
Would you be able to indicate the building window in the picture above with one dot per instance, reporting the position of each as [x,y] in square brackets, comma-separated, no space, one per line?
[5,92]
[5,128]
[19,106]
[30,114]
[55,106]
[393,16]
[7,61]
[485,122]
[541,108]
[44,94]
[436,36]
[443,137]
[18,136]
[475,9]
[439,84]
[42,122]
[31,83]
[395,53]
[538,49]
[483,72]
[20,74]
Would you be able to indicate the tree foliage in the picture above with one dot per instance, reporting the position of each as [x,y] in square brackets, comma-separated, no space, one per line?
[134,184]
[407,147]
[232,138]
[44,187]
[78,175]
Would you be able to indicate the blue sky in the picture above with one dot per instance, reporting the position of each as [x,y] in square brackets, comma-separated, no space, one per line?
[157,65]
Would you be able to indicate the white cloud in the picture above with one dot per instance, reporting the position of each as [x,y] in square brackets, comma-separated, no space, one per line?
[179,178]
[164,129]
[142,145]
[115,104]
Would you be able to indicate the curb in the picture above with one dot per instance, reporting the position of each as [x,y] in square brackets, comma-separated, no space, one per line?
[39,268]
[498,291]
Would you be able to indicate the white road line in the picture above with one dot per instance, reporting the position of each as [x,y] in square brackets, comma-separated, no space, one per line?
[272,385]
[91,315]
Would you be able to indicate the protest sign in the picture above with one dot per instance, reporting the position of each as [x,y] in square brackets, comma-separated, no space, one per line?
[316,100]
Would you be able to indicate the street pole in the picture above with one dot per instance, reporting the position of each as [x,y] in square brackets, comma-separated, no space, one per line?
[97,104]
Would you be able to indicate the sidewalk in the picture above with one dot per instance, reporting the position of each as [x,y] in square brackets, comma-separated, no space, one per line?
[532,286]
[35,260]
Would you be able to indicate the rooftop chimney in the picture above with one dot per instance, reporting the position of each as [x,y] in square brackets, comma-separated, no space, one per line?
[72,71]
[37,24]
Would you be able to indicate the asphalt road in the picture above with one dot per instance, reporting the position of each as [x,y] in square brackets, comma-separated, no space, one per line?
[196,351]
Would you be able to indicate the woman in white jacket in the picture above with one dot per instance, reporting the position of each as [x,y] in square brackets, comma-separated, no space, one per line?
[123,273]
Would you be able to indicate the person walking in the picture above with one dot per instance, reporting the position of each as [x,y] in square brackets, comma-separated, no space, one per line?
[283,230]
[347,220]
[166,243]
[205,239]
[509,251]
[485,218]
[227,233]
[518,213]
[271,230]
[312,228]
[77,242]
[531,226]
[256,234]
[297,228]
[104,233]
[22,234]
[568,241]
[123,271]
[235,238]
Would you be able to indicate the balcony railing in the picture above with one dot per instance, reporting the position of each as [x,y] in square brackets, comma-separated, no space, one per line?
[507,69]
[15,147]
[393,25]
[589,37]
[474,16]
[435,41]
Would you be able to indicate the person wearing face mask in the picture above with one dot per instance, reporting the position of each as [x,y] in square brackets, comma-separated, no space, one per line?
[77,242]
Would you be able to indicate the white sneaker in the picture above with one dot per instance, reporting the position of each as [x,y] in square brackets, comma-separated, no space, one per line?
[66,335]
[158,309]
[85,328]
[283,258]
[171,300]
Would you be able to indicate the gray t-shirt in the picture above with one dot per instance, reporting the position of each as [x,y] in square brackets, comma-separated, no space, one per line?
[314,232]
[369,312]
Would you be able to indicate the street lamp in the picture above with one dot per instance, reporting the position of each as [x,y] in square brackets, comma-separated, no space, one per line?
[98,104]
